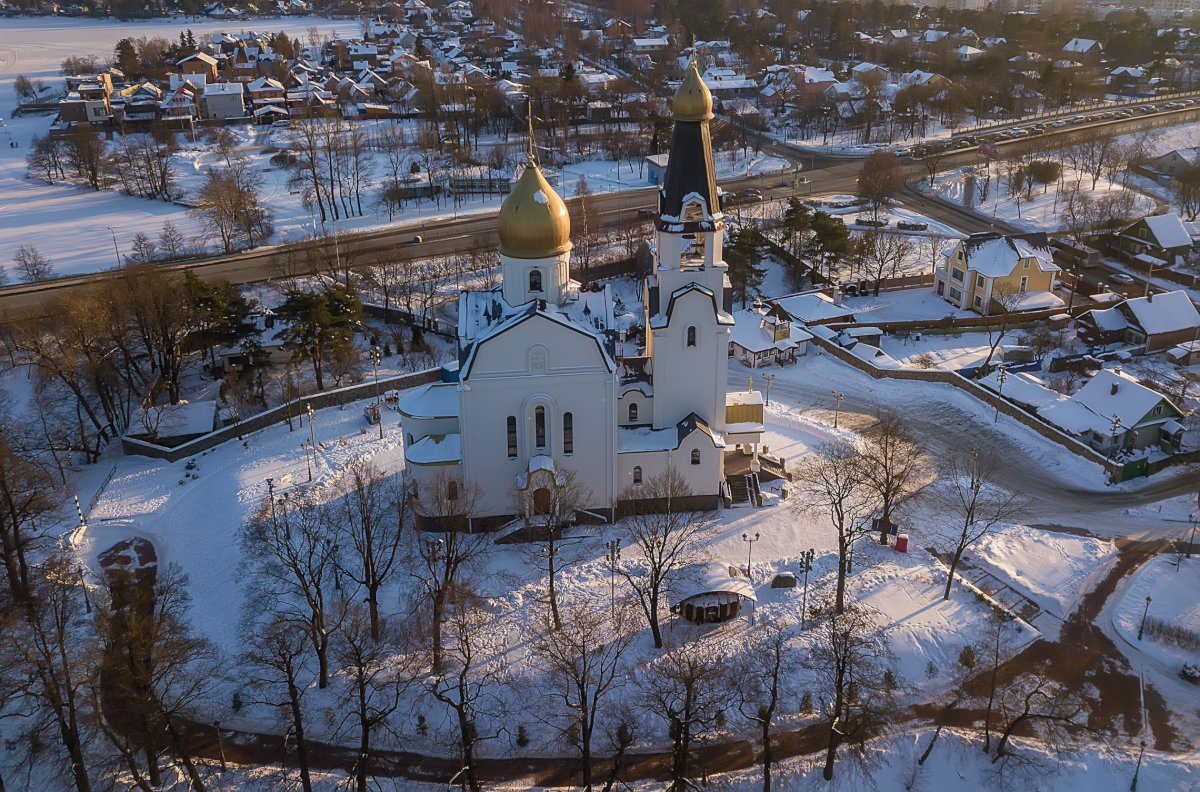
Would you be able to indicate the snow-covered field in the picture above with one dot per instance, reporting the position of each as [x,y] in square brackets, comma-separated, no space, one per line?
[1041,212]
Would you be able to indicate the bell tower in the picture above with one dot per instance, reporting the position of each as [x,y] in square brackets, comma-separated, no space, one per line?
[688,296]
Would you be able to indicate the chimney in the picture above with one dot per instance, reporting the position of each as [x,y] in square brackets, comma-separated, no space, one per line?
[1114,389]
[1149,296]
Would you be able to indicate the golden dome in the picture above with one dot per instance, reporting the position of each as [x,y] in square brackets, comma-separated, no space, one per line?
[693,100]
[533,219]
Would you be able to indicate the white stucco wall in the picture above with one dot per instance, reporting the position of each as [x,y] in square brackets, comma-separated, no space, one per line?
[538,362]
[690,379]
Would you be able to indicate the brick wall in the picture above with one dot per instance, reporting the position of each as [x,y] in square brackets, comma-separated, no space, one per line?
[276,415]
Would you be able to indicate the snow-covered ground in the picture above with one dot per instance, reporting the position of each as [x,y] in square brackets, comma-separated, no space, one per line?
[901,305]
[1040,213]
[1174,594]
[1054,569]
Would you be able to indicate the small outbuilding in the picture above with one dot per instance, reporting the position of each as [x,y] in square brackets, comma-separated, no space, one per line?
[712,593]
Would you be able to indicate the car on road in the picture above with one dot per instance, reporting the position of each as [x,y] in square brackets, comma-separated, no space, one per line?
[1059,124]
[645,213]
[752,194]
[902,152]
[416,238]
[1120,278]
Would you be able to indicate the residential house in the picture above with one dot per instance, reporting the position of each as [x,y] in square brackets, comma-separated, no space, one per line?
[265,91]
[813,308]
[1153,323]
[179,105]
[1154,241]
[223,101]
[136,104]
[1113,413]
[1130,81]
[1176,162]
[1082,49]
[764,336]
[199,63]
[989,273]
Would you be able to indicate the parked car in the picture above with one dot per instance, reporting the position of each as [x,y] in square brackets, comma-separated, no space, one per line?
[867,221]
[1121,278]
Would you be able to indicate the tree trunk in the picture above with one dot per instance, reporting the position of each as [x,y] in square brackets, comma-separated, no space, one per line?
[767,753]
[298,727]
[193,776]
[950,572]
[438,607]
[830,752]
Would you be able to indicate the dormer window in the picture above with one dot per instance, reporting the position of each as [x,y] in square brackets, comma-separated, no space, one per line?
[535,280]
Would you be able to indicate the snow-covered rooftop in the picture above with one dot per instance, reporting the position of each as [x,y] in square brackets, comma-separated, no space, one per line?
[1168,312]
[435,450]
[436,400]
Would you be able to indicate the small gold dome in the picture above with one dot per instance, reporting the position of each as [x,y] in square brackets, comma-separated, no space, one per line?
[533,219]
[693,100]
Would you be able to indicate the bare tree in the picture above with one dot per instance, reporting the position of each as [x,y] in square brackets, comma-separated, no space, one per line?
[547,523]
[764,680]
[466,680]
[441,560]
[666,537]
[682,687]
[290,539]
[31,265]
[847,659]
[1036,700]
[276,655]
[975,505]
[27,493]
[834,481]
[879,180]
[894,465]
[585,655]
[372,515]
[1006,300]
[884,254]
[45,644]
[376,676]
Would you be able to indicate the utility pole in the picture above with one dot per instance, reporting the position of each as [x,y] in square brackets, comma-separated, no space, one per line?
[767,380]
[806,564]
[837,407]
[614,558]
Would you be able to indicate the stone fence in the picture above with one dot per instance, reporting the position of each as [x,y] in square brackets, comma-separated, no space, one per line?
[1052,433]
[262,420]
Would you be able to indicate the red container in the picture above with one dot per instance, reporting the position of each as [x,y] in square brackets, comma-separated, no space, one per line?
[902,543]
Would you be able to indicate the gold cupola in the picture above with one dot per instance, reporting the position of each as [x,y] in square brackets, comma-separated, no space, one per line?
[693,100]
[534,222]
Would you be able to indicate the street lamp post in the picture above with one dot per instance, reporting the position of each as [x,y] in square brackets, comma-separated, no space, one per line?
[806,563]
[312,437]
[375,358]
[1001,377]
[767,380]
[1194,518]
[220,744]
[115,248]
[87,603]
[1142,628]
[1116,424]
[837,406]
[1137,770]
[750,542]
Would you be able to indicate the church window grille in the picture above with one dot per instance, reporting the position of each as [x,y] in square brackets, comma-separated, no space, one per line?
[568,433]
[512,436]
[696,456]
[633,413]
[535,280]
[691,336]
[539,427]
[637,475]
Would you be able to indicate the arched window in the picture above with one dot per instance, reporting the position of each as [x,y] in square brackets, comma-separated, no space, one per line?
[539,427]
[637,475]
[691,336]
[696,456]
[633,412]
[452,490]
[568,433]
[511,426]
[535,280]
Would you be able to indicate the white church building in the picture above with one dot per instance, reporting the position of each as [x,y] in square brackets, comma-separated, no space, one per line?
[554,378]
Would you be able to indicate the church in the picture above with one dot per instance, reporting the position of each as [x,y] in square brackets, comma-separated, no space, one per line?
[558,382]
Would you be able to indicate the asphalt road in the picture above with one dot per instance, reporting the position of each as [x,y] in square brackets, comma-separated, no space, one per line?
[459,235]
[1062,496]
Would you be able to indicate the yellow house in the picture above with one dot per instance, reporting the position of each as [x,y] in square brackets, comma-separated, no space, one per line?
[989,273]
